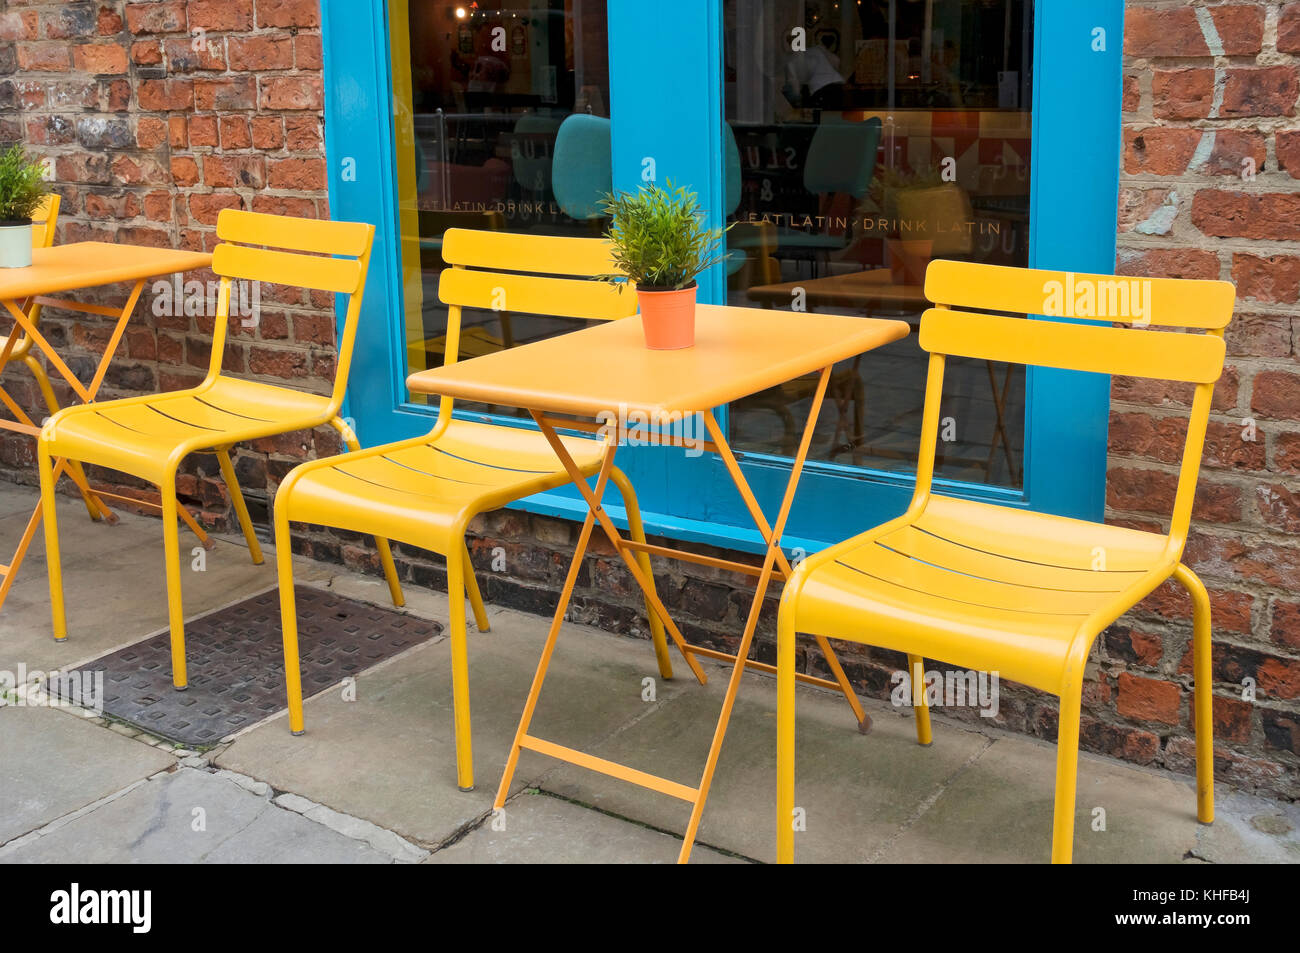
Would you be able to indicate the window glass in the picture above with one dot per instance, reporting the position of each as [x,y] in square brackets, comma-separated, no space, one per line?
[864,140]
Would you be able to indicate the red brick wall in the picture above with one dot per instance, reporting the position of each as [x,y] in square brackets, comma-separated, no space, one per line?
[158,115]
[1208,101]
[152,137]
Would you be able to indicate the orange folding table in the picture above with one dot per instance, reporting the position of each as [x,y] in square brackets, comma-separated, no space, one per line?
[61,270]
[605,376]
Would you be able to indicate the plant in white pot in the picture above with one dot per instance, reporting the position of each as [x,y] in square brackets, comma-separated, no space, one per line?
[22,188]
[662,243]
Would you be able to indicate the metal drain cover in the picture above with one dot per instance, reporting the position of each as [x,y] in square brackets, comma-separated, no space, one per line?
[236,663]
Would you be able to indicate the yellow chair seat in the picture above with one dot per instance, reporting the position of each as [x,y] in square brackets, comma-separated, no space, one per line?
[424,491]
[986,586]
[144,433]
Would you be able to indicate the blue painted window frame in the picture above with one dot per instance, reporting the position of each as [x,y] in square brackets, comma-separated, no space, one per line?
[675,116]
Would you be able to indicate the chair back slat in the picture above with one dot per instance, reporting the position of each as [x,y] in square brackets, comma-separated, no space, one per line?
[340,275]
[539,254]
[317,236]
[1163,355]
[1163,302]
[44,221]
[531,294]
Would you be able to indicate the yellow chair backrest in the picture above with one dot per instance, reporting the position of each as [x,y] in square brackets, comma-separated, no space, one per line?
[302,252]
[44,221]
[527,274]
[960,326]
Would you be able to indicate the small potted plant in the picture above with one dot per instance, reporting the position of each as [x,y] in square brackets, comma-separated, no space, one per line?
[661,243]
[22,187]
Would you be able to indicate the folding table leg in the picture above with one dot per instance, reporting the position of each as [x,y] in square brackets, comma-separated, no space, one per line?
[553,633]
[772,534]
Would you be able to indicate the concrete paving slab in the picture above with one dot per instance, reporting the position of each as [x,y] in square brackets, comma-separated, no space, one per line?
[389,756]
[1249,830]
[999,810]
[54,762]
[114,586]
[191,816]
[539,829]
[855,790]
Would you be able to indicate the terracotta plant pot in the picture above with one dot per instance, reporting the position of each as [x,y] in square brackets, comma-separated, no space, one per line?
[667,318]
[15,244]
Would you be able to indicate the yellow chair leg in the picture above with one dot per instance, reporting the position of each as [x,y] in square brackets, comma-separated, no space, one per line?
[1067,772]
[52,560]
[241,508]
[456,569]
[52,405]
[920,706]
[385,551]
[289,622]
[172,557]
[475,597]
[636,530]
[785,721]
[1204,699]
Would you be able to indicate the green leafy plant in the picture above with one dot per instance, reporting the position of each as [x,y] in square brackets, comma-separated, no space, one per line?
[660,239]
[22,186]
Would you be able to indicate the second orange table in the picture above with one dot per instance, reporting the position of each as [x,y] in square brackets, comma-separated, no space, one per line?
[605,373]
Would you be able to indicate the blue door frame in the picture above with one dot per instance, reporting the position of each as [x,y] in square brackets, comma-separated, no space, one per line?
[675,118]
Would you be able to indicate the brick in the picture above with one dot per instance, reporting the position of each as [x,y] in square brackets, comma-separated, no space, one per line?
[303,134]
[203,130]
[291,92]
[233,94]
[1286,453]
[1183,93]
[1276,394]
[1279,507]
[178,132]
[44,57]
[109,22]
[224,15]
[1153,491]
[185,171]
[99,58]
[165,95]
[1136,206]
[307,52]
[19,25]
[268,132]
[1147,699]
[227,172]
[1159,150]
[277,362]
[147,53]
[1268,217]
[1266,91]
[234,133]
[297,174]
[1249,560]
[1260,335]
[288,13]
[1235,152]
[183,57]
[1281,730]
[150,132]
[1172,263]
[70,21]
[261,52]
[205,208]
[1285,626]
[1132,101]
[1128,644]
[1232,719]
[1176,31]
[1275,279]
[154,17]
[1288,29]
[1288,152]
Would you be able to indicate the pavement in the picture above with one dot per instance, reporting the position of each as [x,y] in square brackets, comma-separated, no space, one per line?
[373,779]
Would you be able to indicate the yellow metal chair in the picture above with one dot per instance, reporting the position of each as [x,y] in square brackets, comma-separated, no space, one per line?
[993,588]
[425,491]
[149,436]
[44,224]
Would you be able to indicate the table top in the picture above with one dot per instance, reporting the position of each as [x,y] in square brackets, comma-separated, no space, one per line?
[608,368]
[90,264]
[857,289]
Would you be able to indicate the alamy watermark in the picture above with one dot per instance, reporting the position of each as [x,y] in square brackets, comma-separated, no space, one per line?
[952,689]
[78,689]
[638,428]
[1082,296]
[194,298]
